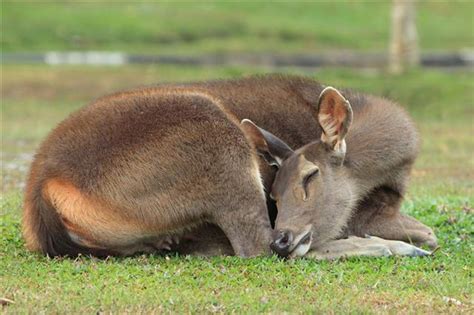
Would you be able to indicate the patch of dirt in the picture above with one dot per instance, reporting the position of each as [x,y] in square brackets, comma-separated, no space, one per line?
[15,166]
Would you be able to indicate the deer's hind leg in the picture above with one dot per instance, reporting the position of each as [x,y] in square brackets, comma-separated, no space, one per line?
[379,215]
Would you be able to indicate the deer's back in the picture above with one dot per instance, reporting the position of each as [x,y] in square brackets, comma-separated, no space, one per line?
[285,106]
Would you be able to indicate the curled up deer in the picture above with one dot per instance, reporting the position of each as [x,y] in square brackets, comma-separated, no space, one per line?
[244,167]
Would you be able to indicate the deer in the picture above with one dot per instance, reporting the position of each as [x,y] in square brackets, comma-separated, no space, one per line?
[138,170]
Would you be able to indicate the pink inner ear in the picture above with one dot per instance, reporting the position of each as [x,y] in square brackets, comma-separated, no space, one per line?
[333,113]
[337,112]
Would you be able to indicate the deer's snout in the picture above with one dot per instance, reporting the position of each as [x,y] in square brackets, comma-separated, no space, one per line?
[282,242]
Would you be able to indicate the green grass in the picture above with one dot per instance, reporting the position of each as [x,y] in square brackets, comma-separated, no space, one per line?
[35,98]
[219,26]
[229,284]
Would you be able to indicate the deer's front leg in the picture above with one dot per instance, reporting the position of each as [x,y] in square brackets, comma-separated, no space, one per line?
[248,230]
[369,246]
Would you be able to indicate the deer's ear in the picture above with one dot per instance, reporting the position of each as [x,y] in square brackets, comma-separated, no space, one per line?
[334,114]
[269,146]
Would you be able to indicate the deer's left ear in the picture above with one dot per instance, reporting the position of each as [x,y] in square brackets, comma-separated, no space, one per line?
[334,114]
[269,146]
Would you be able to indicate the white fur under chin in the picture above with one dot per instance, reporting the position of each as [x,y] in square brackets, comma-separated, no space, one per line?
[301,250]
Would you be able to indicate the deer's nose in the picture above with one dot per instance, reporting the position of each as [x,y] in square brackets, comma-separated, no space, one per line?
[281,244]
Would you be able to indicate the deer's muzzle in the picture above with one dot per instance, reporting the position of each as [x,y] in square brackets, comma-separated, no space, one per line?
[286,245]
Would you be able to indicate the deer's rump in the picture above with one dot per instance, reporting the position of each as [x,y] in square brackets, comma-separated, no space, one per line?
[116,176]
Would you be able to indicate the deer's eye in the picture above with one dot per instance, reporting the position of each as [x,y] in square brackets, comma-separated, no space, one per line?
[307,179]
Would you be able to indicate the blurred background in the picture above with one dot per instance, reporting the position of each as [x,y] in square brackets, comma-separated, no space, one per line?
[57,56]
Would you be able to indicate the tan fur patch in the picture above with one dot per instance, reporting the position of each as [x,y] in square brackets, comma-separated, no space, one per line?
[95,222]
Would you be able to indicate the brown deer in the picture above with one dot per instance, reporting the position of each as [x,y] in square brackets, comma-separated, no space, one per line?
[132,170]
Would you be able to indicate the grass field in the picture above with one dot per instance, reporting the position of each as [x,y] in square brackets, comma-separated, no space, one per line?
[223,26]
[34,99]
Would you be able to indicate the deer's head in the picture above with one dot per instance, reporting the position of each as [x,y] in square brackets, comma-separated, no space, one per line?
[311,187]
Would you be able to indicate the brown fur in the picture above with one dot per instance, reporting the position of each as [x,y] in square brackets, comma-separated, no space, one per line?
[159,161]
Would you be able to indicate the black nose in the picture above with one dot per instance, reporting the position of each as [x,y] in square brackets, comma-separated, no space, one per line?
[282,242]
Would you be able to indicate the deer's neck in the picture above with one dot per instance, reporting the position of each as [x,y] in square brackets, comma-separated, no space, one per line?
[363,177]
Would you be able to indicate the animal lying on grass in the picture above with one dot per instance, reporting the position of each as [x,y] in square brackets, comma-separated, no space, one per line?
[134,170]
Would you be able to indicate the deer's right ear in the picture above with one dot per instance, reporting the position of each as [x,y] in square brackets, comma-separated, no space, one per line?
[335,116]
[270,147]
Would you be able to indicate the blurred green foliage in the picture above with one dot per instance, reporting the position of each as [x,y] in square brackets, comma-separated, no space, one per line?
[221,26]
